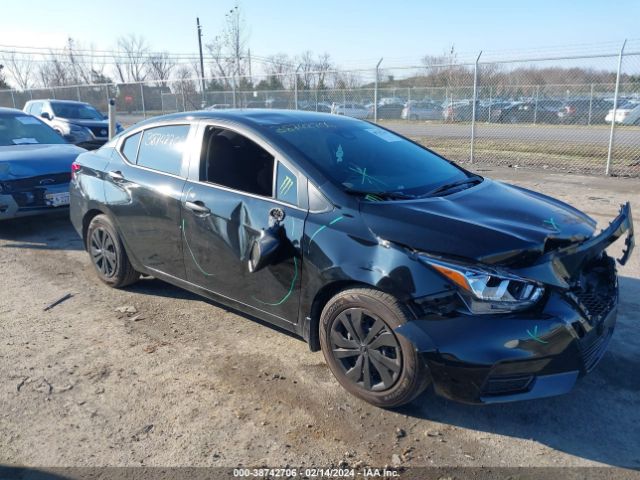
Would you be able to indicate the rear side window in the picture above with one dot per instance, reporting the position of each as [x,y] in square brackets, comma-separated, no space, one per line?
[162,148]
[130,147]
[286,185]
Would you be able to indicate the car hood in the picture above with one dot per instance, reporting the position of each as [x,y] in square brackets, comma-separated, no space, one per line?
[86,123]
[492,223]
[21,161]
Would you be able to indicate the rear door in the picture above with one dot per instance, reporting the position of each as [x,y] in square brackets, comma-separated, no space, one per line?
[228,200]
[143,188]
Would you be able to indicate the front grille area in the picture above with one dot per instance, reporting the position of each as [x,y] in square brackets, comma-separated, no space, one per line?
[593,348]
[596,291]
[596,304]
[97,131]
[10,186]
[504,385]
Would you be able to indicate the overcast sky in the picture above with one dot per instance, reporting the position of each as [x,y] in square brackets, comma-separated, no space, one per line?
[355,33]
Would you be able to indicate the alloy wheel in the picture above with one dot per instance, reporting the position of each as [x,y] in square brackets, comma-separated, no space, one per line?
[103,252]
[366,349]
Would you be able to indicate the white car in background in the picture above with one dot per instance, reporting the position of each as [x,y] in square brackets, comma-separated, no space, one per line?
[350,109]
[421,110]
[626,114]
[633,117]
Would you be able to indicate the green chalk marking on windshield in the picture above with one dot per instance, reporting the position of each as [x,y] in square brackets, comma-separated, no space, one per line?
[288,294]
[339,154]
[184,233]
[365,175]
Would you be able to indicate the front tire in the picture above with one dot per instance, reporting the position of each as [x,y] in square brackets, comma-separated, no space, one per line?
[364,353]
[108,255]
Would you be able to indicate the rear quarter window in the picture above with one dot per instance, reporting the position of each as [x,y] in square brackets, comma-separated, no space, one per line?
[130,147]
[162,148]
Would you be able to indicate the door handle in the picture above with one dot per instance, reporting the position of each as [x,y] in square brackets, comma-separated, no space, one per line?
[197,207]
[116,176]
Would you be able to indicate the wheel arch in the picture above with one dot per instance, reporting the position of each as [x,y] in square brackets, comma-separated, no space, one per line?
[311,330]
[86,220]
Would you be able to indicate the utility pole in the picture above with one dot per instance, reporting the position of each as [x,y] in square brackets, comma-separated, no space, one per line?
[204,101]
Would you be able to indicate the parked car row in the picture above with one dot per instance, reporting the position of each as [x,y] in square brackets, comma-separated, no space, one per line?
[576,112]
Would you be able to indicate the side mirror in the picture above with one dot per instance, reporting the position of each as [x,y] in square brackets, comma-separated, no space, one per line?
[264,249]
[46,115]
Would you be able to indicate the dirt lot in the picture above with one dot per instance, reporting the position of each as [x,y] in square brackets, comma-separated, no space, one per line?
[184,381]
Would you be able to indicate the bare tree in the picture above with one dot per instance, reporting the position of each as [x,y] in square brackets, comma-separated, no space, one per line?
[3,81]
[185,86]
[131,60]
[54,72]
[20,69]
[228,51]
[279,69]
[323,65]
[307,66]
[160,66]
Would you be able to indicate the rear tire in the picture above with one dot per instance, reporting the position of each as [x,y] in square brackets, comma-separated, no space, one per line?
[108,255]
[364,353]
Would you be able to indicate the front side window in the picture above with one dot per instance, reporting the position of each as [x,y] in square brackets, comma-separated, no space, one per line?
[162,148]
[362,157]
[232,160]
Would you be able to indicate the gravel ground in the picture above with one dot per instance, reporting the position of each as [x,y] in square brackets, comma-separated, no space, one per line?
[153,375]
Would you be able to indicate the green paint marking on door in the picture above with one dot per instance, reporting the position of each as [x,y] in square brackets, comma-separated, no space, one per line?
[291,288]
[184,234]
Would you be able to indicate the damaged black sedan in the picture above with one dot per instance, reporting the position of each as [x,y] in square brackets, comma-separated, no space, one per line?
[405,269]
[35,166]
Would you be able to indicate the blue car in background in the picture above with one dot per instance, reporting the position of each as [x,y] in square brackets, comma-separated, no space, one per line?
[35,166]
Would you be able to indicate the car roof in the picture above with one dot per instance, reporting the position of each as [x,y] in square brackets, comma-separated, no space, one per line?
[6,110]
[54,100]
[254,117]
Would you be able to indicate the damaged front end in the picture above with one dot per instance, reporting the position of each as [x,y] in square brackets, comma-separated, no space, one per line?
[522,331]
[33,195]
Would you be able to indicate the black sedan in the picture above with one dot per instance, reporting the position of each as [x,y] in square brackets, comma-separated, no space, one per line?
[542,111]
[403,268]
[35,166]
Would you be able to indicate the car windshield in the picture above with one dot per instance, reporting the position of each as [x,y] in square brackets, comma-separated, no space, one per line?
[21,129]
[76,111]
[362,157]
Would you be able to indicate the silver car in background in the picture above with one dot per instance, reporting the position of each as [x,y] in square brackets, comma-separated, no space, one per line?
[421,110]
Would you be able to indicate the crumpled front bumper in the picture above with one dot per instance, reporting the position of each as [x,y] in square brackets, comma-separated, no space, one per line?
[533,354]
[10,207]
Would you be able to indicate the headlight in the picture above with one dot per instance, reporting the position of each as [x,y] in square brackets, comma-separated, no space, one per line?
[488,290]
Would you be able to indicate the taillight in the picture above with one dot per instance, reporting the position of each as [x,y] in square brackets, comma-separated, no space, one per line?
[75,167]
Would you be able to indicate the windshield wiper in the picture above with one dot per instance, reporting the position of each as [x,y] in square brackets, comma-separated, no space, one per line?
[380,196]
[449,186]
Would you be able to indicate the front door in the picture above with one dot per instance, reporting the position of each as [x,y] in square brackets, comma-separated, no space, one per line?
[239,184]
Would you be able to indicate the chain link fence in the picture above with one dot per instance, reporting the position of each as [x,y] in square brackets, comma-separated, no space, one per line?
[574,114]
